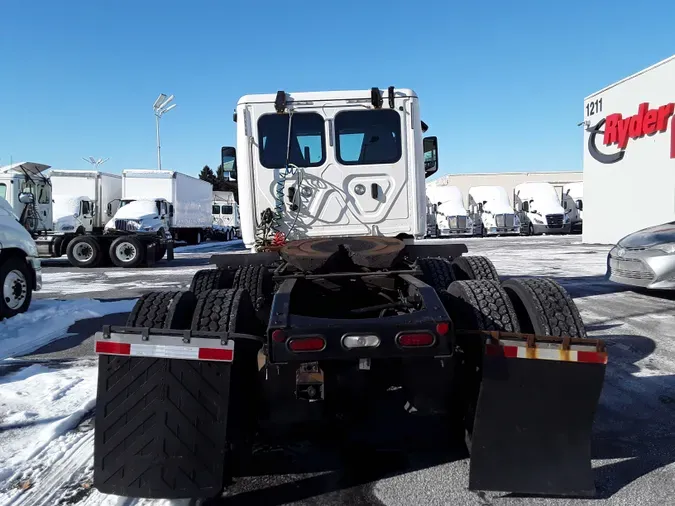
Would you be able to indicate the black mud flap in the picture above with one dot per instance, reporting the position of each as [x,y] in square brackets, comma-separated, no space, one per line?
[534,415]
[161,427]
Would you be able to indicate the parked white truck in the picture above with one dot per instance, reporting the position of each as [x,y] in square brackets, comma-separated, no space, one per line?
[491,212]
[539,209]
[164,201]
[226,222]
[19,179]
[573,203]
[81,199]
[20,269]
[452,217]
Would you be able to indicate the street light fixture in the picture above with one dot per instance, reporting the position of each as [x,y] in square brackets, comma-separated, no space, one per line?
[95,163]
[161,106]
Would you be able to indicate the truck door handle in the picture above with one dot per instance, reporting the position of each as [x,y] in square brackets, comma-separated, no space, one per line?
[374,190]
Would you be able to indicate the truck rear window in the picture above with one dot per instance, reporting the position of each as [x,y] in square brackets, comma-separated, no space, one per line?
[226,210]
[368,137]
[307,142]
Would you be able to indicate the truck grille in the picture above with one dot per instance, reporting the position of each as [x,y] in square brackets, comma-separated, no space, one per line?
[457,222]
[554,220]
[504,220]
[129,225]
[632,268]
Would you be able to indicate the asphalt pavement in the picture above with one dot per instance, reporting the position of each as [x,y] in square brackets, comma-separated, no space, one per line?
[634,434]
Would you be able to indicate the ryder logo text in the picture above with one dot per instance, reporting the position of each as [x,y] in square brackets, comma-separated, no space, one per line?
[619,130]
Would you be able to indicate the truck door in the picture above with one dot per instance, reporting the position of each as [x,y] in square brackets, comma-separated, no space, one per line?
[352,169]
[87,215]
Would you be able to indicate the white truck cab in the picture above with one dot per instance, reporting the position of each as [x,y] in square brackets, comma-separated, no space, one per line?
[452,217]
[491,211]
[539,209]
[354,164]
[20,269]
[226,220]
[22,178]
[573,203]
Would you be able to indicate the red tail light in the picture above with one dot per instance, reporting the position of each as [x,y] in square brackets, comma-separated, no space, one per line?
[307,344]
[415,339]
[443,328]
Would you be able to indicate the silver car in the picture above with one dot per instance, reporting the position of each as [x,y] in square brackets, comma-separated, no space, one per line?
[645,258]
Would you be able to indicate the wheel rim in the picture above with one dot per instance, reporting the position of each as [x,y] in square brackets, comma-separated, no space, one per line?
[83,252]
[125,251]
[15,289]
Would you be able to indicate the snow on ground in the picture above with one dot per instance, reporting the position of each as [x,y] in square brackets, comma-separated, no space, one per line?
[47,320]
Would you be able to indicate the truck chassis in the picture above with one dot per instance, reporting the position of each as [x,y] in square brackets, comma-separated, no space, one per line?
[321,328]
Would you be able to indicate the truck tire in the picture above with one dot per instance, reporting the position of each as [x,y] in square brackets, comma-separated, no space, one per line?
[16,286]
[257,281]
[544,307]
[211,279]
[127,251]
[160,423]
[436,272]
[481,304]
[474,267]
[232,311]
[83,252]
[166,310]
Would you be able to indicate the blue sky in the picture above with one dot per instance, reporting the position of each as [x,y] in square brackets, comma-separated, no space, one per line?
[501,83]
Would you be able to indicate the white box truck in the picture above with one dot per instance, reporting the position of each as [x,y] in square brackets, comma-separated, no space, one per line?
[226,222]
[81,199]
[539,209]
[161,201]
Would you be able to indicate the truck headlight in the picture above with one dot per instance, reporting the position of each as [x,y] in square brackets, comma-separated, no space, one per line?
[67,227]
[566,218]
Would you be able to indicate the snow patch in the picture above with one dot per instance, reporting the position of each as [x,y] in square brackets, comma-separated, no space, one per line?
[48,320]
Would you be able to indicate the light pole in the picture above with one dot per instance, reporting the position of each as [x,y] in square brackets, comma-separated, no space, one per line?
[94,162]
[160,107]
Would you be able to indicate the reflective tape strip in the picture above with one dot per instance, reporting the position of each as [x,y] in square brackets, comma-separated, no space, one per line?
[560,355]
[221,354]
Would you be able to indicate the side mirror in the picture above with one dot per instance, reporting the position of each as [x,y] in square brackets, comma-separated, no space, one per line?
[525,206]
[480,207]
[228,158]
[580,205]
[435,208]
[108,209]
[26,198]
[171,210]
[430,156]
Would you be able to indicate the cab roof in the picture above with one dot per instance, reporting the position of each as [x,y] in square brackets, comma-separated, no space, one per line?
[324,96]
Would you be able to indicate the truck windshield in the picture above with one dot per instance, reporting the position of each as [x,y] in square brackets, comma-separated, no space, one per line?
[307,141]
[125,202]
[368,137]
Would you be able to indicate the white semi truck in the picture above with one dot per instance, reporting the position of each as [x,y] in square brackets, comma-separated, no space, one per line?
[573,203]
[164,201]
[20,268]
[452,217]
[491,211]
[226,222]
[341,303]
[539,209]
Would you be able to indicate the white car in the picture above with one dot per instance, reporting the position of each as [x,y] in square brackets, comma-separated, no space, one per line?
[20,269]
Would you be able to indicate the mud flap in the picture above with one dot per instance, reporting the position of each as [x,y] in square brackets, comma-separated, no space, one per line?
[534,415]
[161,423]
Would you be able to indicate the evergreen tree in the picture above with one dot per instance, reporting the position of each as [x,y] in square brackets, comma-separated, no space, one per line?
[207,175]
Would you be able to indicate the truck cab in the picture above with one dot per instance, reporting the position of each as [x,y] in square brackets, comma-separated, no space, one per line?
[491,211]
[20,268]
[539,209]
[74,215]
[354,164]
[19,179]
[148,216]
[452,217]
[573,203]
